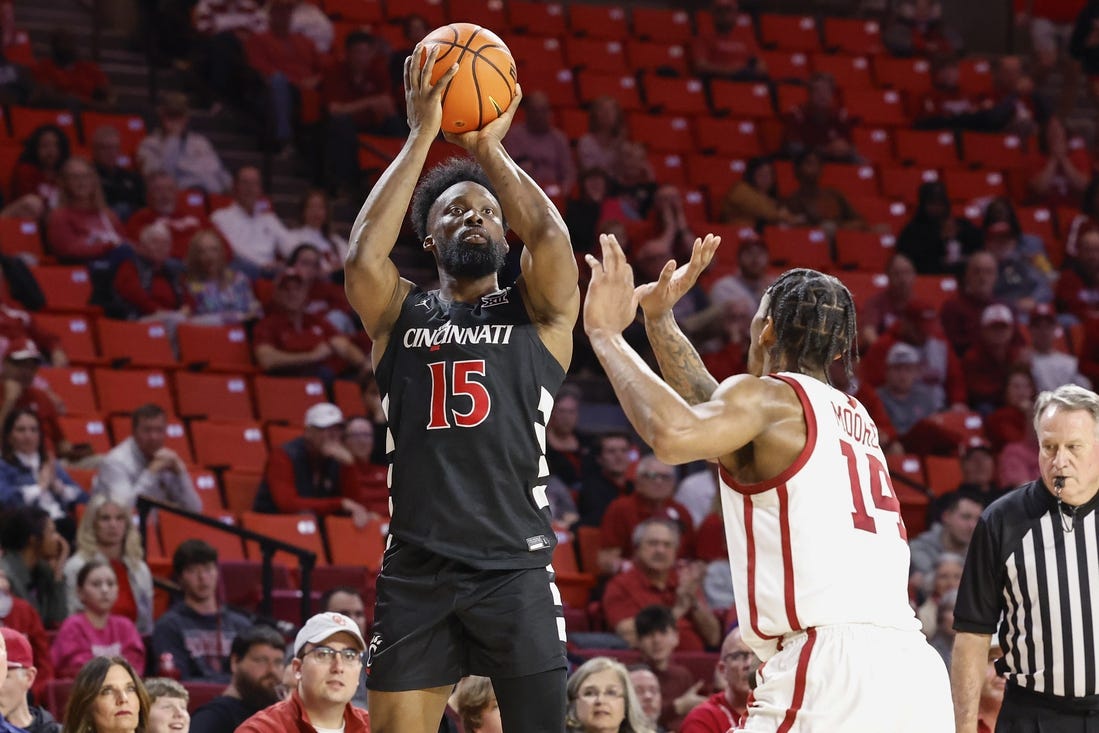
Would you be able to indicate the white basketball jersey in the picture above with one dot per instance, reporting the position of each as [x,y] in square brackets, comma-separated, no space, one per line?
[823,542]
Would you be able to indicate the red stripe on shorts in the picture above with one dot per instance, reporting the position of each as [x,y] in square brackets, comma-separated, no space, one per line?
[799,682]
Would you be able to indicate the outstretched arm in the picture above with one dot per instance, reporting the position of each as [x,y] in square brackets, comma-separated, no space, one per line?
[676,431]
[679,361]
[549,266]
[374,287]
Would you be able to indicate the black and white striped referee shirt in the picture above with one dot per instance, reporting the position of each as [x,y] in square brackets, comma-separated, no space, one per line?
[1036,587]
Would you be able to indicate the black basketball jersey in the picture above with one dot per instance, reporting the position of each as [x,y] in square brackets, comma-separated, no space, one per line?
[468,391]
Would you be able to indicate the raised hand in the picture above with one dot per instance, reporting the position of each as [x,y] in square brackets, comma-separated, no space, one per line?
[611,304]
[424,100]
[657,298]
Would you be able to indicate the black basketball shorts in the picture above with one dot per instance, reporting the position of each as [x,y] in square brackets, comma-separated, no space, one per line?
[437,620]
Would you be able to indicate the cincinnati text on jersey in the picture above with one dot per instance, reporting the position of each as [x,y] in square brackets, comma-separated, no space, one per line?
[451,334]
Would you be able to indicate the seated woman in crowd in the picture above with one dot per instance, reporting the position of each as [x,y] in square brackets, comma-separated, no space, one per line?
[167,706]
[82,228]
[106,533]
[326,298]
[219,294]
[316,229]
[601,699]
[753,200]
[1077,292]
[38,169]
[104,688]
[95,631]
[30,475]
[601,146]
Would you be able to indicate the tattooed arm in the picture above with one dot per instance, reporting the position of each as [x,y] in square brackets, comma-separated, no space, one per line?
[680,363]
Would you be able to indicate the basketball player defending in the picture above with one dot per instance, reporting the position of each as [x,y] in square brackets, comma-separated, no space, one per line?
[467,374]
[817,548]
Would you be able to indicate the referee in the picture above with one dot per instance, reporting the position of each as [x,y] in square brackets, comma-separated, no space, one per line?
[1032,578]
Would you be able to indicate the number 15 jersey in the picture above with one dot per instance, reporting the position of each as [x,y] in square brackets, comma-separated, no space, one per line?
[468,390]
[823,542]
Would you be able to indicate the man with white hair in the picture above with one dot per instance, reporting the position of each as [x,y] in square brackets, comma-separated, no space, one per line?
[328,659]
[150,285]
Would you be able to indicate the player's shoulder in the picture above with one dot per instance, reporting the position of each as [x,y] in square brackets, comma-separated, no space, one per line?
[1022,503]
[773,397]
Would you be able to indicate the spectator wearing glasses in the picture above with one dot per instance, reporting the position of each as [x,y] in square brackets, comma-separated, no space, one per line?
[725,709]
[653,496]
[328,660]
[13,690]
[348,601]
[601,698]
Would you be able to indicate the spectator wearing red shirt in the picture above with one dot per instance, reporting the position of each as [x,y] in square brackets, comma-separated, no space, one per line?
[23,618]
[149,283]
[654,487]
[69,81]
[947,105]
[657,638]
[730,50]
[991,359]
[961,314]
[1013,106]
[162,197]
[918,30]
[367,482]
[326,299]
[1009,423]
[306,474]
[992,698]
[724,710]
[82,228]
[289,341]
[357,98]
[1077,290]
[1060,170]
[20,366]
[654,580]
[881,310]
[288,62]
[16,323]
[38,170]
[821,124]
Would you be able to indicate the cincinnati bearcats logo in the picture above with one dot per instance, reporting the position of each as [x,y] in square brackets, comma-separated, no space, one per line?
[375,644]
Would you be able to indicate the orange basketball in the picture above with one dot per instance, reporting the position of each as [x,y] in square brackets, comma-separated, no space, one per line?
[485,82]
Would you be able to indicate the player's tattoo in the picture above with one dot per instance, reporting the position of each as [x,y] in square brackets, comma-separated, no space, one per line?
[680,363]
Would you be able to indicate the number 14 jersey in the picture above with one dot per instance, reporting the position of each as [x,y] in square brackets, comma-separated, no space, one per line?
[823,542]
[468,390]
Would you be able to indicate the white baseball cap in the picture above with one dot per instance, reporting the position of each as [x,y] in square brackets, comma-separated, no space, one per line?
[323,415]
[324,625]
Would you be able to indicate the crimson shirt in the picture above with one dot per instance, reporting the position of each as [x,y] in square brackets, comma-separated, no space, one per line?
[338,86]
[713,716]
[626,512]
[280,331]
[159,296]
[367,484]
[83,79]
[182,225]
[630,591]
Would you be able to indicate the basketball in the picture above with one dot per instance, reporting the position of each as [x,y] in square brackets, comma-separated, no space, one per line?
[485,82]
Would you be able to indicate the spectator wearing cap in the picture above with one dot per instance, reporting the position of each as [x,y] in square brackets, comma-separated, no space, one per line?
[906,399]
[1050,366]
[22,617]
[253,232]
[197,633]
[327,664]
[348,601]
[17,375]
[961,313]
[1077,291]
[290,341]
[653,496]
[14,705]
[307,473]
[990,360]
[940,369]
[880,311]
[173,148]
[142,465]
[1018,281]
[751,279]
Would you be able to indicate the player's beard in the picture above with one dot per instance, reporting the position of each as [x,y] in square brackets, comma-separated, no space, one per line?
[472,261]
[254,693]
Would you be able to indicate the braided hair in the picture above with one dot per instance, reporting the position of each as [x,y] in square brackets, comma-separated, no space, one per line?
[813,315]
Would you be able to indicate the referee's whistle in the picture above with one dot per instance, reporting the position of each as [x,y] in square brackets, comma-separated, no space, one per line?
[1058,482]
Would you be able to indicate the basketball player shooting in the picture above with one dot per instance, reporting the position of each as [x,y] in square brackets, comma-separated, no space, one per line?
[817,548]
[467,374]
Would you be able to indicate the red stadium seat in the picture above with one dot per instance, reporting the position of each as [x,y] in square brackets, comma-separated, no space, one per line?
[966,185]
[904,183]
[716,174]
[927,148]
[786,66]
[214,396]
[75,333]
[649,56]
[728,137]
[852,180]
[240,489]
[136,343]
[944,473]
[850,72]
[875,144]
[73,385]
[556,83]
[621,87]
[22,237]
[487,13]
[575,587]
[669,168]
[528,16]
[599,21]
[599,54]
[852,35]
[572,121]
[975,76]
[236,445]
[124,390]
[993,150]
[174,529]
[530,51]
[89,430]
[432,11]
[359,11]
[912,76]
[20,51]
[131,129]
[867,251]
[1037,220]
[798,247]
[880,210]
[742,99]
[351,545]
[301,530]
[175,435]
[934,289]
[876,107]
[218,348]
[676,96]
[206,486]
[789,32]
[65,288]
[660,24]
[25,121]
[788,96]
[662,133]
[285,399]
